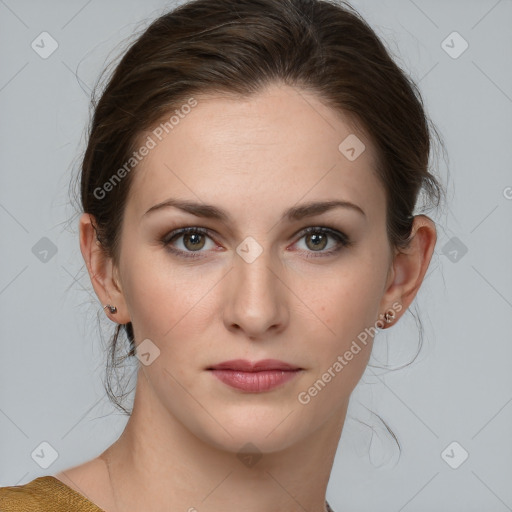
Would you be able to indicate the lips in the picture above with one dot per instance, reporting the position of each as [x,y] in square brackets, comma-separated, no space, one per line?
[258,366]
[255,377]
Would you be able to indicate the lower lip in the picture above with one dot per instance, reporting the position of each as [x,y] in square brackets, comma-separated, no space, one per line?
[255,382]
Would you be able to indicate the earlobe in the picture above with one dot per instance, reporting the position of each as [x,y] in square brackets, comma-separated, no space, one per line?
[101,272]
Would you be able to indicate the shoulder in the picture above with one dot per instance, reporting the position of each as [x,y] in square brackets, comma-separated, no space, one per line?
[44,493]
[20,497]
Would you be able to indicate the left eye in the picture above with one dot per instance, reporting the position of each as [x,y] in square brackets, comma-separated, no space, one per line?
[318,237]
[193,240]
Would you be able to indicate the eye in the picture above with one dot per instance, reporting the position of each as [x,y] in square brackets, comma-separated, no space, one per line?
[316,240]
[193,241]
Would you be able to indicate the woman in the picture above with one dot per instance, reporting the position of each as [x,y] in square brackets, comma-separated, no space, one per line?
[248,191]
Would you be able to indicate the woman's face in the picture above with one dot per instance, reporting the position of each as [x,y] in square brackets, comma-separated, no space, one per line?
[255,286]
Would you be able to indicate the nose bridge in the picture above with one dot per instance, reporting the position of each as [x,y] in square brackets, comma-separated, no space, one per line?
[254,270]
[257,299]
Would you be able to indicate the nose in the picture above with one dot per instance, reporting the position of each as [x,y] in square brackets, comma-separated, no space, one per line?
[256,298]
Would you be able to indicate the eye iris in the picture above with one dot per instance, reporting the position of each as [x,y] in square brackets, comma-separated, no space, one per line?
[195,237]
[317,240]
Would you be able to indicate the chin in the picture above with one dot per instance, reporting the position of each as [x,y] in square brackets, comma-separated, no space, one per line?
[253,440]
[267,428]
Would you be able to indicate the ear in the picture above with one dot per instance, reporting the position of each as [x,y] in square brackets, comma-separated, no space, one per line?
[101,271]
[408,268]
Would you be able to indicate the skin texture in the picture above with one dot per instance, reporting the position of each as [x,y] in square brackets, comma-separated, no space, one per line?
[254,158]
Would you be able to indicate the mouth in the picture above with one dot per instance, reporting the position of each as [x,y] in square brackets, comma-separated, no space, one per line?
[243,365]
[254,377]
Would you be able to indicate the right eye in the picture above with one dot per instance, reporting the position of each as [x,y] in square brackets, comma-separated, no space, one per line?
[193,240]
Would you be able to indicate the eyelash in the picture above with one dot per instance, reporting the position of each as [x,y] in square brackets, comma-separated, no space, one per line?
[342,240]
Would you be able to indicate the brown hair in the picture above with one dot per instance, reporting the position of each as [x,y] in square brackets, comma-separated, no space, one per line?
[239,47]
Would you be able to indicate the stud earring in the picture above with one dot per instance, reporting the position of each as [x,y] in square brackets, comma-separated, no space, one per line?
[112,309]
[389,318]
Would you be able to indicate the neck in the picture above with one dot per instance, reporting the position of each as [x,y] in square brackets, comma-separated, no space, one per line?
[158,464]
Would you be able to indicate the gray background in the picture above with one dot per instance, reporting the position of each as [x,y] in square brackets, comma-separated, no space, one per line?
[460,387]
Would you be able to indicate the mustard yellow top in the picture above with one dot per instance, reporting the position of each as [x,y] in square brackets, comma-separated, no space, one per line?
[44,494]
[48,494]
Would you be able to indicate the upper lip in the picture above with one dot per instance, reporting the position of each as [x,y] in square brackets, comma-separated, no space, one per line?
[257,366]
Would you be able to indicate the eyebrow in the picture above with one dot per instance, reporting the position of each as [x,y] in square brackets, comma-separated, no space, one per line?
[292,214]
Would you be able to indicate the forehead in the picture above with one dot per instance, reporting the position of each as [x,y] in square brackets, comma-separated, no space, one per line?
[268,150]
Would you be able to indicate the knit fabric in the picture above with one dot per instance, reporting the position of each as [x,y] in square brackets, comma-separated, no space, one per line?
[48,494]
[44,494]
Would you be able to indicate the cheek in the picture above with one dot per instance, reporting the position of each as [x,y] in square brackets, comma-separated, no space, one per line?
[348,309]
[348,301]
[170,303]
